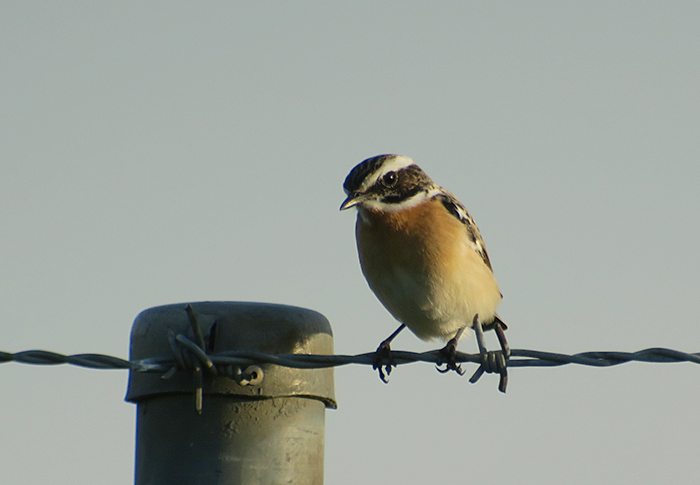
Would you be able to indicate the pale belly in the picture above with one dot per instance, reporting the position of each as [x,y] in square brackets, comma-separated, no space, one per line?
[435,307]
[433,291]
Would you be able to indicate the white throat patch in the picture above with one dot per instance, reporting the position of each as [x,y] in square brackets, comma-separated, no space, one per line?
[419,198]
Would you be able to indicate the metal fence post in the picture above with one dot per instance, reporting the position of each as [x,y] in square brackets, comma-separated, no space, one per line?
[266,433]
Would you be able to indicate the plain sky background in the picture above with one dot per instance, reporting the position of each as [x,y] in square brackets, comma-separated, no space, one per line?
[163,152]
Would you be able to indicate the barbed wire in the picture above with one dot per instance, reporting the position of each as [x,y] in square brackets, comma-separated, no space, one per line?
[518,358]
[192,356]
[188,356]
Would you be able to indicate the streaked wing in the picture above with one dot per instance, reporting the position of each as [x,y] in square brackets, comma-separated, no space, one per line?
[456,208]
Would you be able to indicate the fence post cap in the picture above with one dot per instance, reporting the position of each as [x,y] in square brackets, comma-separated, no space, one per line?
[229,326]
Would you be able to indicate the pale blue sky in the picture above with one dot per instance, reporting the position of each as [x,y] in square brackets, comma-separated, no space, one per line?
[160,152]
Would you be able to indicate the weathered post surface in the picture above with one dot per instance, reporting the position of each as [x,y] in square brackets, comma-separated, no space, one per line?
[267,432]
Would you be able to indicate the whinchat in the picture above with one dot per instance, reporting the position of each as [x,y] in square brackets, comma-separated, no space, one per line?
[421,253]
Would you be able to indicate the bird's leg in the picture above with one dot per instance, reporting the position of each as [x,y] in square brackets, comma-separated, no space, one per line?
[383,354]
[449,353]
[499,329]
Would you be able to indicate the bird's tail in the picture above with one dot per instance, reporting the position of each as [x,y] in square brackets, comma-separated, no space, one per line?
[496,320]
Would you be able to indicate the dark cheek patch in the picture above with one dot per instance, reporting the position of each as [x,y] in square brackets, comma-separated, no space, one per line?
[397,198]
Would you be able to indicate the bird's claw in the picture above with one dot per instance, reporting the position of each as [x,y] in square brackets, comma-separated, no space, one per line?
[450,366]
[382,355]
[448,355]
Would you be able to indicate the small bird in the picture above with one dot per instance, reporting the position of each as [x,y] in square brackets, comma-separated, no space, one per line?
[422,256]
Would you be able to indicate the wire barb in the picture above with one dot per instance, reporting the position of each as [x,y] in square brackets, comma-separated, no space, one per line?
[493,361]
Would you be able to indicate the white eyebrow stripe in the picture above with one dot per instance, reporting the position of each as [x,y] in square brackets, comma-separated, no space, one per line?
[394,165]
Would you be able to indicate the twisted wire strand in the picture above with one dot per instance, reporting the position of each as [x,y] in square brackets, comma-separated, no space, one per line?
[519,358]
[192,356]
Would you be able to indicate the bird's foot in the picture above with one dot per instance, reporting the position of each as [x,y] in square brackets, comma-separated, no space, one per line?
[448,354]
[383,358]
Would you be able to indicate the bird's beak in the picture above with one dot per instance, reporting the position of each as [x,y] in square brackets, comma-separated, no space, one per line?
[353,200]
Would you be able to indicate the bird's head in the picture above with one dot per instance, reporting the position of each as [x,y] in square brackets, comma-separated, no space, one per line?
[387,183]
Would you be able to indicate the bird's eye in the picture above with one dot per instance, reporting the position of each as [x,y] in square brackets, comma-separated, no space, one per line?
[389,179]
